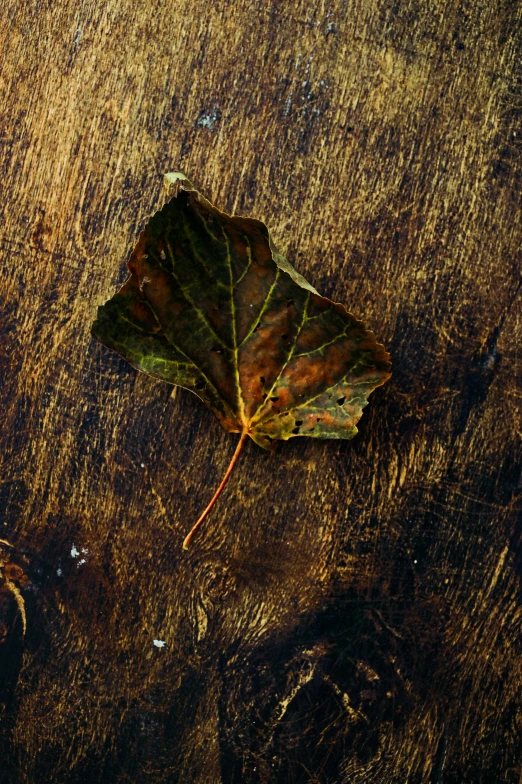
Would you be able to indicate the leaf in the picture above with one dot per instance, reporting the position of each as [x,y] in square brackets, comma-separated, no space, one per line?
[213,307]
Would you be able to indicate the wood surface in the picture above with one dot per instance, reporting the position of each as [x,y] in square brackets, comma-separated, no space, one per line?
[351,613]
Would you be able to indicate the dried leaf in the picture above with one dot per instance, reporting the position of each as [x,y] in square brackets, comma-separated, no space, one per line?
[213,307]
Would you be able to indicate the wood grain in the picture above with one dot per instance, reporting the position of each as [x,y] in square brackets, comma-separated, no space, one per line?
[353,614]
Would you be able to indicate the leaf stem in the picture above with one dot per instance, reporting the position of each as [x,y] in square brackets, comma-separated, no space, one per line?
[218,492]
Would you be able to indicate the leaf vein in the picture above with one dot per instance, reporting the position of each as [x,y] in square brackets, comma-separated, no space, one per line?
[343,334]
[263,309]
[249,263]
[237,380]
[290,354]
[191,302]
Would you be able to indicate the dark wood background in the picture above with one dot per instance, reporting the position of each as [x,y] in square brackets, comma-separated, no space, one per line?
[351,612]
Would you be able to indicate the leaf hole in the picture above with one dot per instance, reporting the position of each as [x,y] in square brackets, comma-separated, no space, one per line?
[199,384]
[217,349]
[310,429]
[295,430]
[262,379]
[341,400]
[265,396]
[284,337]
[274,399]
[318,419]
[299,423]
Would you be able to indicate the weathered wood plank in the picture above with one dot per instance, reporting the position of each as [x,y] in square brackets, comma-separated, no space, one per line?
[352,611]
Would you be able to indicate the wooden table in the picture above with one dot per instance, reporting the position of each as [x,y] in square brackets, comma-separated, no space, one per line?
[351,612]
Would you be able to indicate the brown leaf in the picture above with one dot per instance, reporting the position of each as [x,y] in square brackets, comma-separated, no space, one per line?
[213,307]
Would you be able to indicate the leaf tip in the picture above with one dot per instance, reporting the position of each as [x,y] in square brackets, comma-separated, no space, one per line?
[170,178]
